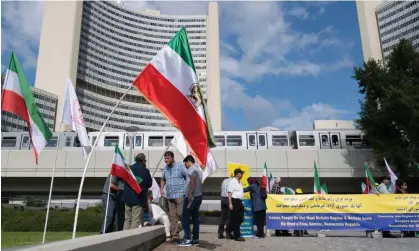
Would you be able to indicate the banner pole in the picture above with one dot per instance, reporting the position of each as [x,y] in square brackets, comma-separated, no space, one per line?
[88,161]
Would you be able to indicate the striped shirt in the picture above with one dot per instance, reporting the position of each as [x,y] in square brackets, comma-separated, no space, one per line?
[224,187]
[175,178]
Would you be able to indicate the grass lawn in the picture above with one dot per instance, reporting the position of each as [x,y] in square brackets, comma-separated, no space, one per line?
[15,239]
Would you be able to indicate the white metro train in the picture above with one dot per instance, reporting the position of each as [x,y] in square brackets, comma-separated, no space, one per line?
[231,140]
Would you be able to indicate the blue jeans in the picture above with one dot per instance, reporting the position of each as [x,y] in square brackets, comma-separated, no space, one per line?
[186,215]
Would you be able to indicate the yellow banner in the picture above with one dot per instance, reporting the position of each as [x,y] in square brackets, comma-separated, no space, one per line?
[245,168]
[354,203]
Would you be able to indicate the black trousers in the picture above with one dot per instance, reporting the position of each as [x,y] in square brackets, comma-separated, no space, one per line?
[225,215]
[259,218]
[236,218]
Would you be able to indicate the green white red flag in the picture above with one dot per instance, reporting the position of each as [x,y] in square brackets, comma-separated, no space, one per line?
[169,82]
[371,180]
[121,170]
[265,182]
[17,98]
[317,189]
[287,191]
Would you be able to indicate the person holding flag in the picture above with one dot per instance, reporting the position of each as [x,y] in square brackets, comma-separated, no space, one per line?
[136,201]
[258,197]
[111,201]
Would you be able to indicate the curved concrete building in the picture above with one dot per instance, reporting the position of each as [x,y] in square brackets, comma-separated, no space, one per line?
[103,46]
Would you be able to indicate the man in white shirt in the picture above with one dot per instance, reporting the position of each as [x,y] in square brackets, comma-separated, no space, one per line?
[157,215]
[235,205]
[224,217]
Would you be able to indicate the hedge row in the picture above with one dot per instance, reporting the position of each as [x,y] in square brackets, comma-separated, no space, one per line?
[60,220]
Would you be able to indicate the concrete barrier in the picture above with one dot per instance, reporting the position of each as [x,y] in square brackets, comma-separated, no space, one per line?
[141,239]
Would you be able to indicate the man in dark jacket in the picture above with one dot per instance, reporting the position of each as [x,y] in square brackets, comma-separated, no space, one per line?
[135,203]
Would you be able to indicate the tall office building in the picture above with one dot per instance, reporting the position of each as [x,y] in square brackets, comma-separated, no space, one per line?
[103,46]
[383,23]
[397,20]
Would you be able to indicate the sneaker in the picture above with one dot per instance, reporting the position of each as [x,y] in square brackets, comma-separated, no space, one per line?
[240,239]
[220,236]
[184,243]
[195,242]
[229,237]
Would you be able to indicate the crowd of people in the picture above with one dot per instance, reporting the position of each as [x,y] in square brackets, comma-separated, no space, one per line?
[181,198]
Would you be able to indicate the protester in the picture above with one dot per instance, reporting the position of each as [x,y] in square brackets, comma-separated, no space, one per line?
[158,215]
[174,178]
[225,215]
[192,203]
[382,189]
[115,204]
[402,189]
[258,196]
[135,203]
[235,205]
[276,189]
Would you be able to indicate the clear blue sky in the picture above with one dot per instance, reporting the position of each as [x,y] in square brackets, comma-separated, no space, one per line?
[283,64]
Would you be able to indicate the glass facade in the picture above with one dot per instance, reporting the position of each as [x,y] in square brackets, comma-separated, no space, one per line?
[397,20]
[115,45]
[47,106]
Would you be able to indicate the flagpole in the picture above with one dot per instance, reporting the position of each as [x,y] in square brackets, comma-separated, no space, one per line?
[107,204]
[88,160]
[161,158]
[49,199]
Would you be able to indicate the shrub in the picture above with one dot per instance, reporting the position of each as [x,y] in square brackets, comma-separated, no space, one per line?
[30,220]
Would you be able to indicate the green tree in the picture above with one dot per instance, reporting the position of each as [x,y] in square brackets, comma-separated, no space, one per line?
[389,113]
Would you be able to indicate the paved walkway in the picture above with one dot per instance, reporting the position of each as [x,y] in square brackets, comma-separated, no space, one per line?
[335,241]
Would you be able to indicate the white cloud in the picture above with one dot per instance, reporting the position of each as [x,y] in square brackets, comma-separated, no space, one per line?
[268,42]
[299,12]
[21,28]
[260,111]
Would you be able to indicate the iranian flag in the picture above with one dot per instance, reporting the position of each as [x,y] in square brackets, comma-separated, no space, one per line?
[265,178]
[169,82]
[287,191]
[17,98]
[318,189]
[121,170]
[371,180]
[364,188]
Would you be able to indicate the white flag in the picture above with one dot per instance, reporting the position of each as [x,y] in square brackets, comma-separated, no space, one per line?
[180,144]
[73,116]
[155,189]
[393,179]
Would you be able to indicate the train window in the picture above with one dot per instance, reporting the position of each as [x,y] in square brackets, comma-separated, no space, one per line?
[111,141]
[220,140]
[262,140]
[353,140]
[335,140]
[127,142]
[53,142]
[306,140]
[76,142]
[234,140]
[279,140]
[167,140]
[155,141]
[252,140]
[138,140]
[325,140]
[8,142]
[25,141]
[68,141]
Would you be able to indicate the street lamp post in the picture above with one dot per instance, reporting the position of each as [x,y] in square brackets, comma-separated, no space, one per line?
[131,131]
